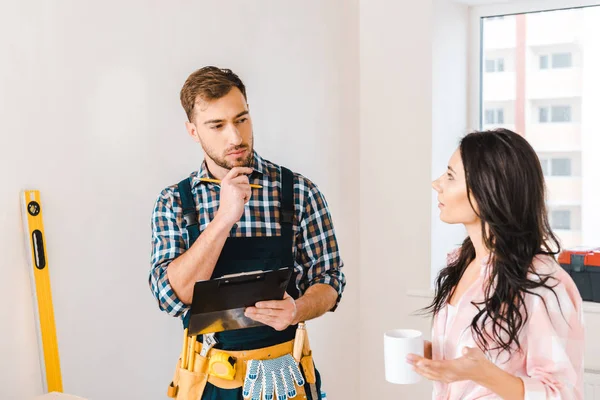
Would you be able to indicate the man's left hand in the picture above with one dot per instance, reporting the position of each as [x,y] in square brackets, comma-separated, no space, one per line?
[278,314]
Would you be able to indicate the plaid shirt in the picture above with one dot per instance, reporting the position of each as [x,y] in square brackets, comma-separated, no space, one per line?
[552,340]
[316,254]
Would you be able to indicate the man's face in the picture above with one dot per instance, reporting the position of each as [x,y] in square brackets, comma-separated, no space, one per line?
[224,129]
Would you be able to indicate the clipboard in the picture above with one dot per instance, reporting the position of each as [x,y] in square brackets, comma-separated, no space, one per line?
[218,304]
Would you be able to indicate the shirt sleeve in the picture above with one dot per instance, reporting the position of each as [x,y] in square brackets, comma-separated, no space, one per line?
[168,243]
[317,247]
[555,344]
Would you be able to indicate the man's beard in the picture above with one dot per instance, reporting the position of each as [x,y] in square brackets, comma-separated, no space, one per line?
[246,161]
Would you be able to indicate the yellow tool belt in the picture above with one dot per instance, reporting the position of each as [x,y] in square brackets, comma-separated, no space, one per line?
[189,383]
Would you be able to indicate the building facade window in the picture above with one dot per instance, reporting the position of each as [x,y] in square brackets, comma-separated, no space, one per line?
[494,116]
[560,219]
[555,114]
[494,65]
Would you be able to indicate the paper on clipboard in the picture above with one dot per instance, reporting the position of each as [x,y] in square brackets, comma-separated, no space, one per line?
[219,304]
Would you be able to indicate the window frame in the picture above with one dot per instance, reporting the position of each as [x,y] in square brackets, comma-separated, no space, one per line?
[474,65]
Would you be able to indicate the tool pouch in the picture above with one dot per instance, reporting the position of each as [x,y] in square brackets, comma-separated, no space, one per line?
[308,367]
[313,380]
[189,385]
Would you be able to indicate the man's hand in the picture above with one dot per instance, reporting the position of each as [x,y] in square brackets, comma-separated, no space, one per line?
[235,193]
[278,314]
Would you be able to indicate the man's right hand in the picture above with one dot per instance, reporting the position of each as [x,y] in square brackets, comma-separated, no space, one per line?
[235,193]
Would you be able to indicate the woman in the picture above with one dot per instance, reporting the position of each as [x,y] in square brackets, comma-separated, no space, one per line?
[508,319]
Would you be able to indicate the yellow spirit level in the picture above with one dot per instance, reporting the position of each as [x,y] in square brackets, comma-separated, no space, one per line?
[40,285]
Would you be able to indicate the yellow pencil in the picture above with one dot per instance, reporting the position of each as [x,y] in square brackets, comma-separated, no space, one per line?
[217,181]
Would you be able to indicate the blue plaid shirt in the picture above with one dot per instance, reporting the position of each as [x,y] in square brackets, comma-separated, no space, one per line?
[316,254]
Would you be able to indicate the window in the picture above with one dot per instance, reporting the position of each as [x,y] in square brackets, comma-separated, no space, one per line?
[544,164]
[561,164]
[561,114]
[561,167]
[556,61]
[494,116]
[561,60]
[500,65]
[543,115]
[538,46]
[554,114]
[544,62]
[560,219]
[494,65]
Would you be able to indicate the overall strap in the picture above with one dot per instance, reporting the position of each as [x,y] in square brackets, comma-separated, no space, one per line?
[287,203]
[189,210]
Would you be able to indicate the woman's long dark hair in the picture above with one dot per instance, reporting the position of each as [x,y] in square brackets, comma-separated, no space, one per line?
[505,179]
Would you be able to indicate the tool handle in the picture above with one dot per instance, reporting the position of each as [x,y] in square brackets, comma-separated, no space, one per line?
[184,352]
[299,341]
[192,356]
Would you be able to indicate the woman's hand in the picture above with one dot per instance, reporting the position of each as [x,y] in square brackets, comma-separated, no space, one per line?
[427,349]
[471,366]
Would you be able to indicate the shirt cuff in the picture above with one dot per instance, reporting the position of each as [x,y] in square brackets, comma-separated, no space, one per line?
[335,283]
[168,300]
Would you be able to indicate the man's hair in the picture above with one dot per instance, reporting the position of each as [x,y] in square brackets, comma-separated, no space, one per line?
[208,83]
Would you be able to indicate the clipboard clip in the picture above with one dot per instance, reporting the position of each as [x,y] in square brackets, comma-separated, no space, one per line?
[244,277]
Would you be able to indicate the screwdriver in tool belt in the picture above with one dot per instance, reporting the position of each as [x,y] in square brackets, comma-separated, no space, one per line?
[184,352]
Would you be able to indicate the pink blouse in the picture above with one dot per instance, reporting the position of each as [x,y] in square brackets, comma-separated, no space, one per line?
[551,361]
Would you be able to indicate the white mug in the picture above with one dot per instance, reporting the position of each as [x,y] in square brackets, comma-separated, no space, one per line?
[397,344]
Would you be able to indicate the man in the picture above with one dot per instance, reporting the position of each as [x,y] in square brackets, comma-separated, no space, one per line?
[284,222]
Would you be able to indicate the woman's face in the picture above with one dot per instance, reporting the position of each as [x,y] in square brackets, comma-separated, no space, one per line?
[452,197]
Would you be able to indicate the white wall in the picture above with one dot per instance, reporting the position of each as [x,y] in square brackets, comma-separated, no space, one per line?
[395,172]
[90,116]
[449,116]
[350,93]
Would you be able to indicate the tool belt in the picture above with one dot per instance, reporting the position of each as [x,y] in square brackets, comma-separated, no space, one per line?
[189,383]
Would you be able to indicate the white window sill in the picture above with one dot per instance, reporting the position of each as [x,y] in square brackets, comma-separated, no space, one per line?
[588,306]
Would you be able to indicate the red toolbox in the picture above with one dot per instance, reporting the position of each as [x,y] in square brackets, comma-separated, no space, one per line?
[583,264]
